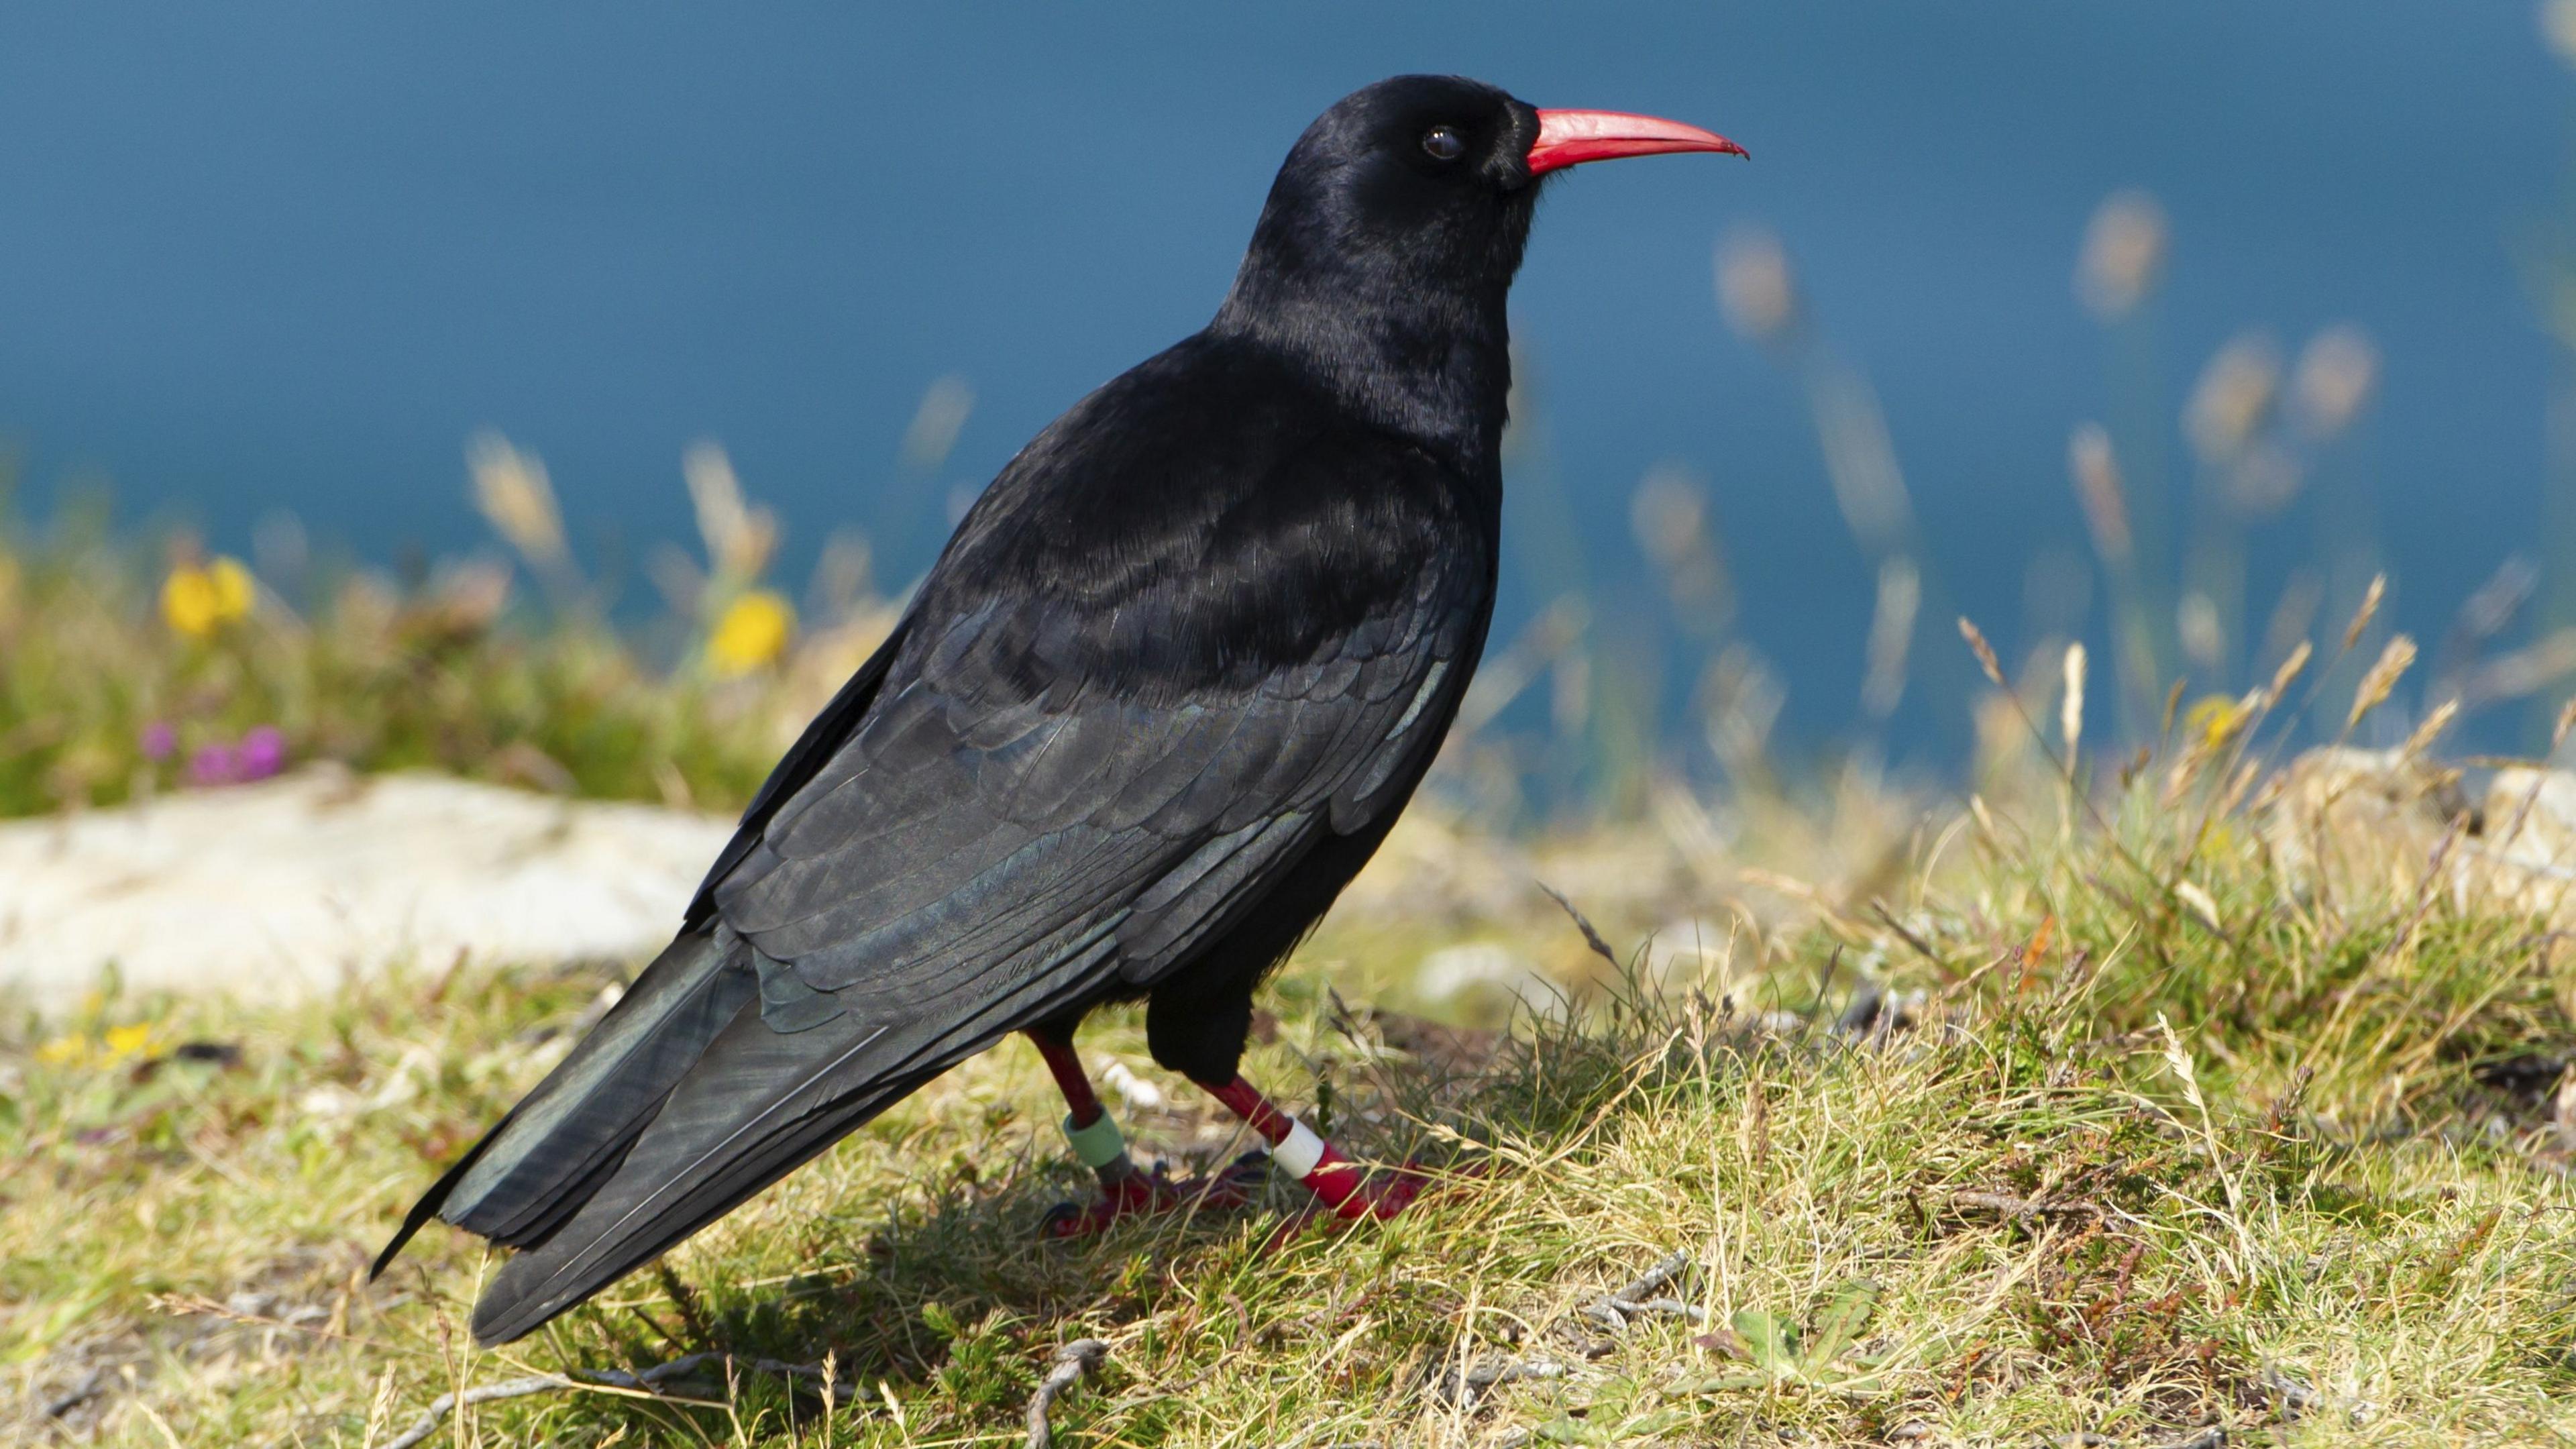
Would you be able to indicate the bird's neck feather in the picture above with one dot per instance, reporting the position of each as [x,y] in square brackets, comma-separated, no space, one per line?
[1426,357]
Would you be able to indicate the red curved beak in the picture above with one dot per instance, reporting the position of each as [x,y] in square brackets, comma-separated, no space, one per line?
[1570,138]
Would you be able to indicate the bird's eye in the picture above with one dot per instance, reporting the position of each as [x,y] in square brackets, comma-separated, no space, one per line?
[1443,143]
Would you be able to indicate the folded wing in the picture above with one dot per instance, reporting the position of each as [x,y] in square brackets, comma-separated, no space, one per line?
[982,849]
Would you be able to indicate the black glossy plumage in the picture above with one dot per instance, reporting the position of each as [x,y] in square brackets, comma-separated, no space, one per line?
[1163,693]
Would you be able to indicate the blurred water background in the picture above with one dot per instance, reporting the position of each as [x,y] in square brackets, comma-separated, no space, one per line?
[270,260]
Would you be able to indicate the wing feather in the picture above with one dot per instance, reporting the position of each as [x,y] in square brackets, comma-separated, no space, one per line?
[1021,811]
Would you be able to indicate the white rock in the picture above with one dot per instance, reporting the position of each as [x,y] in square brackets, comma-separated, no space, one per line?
[286,887]
[2525,858]
[2531,817]
[2361,826]
[1688,948]
[1485,968]
[1134,1092]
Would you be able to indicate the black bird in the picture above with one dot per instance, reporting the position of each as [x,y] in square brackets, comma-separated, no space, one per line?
[1163,693]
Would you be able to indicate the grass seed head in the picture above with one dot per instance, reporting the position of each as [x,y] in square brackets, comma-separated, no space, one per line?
[2095,468]
[2361,617]
[2234,397]
[2337,373]
[2558,27]
[1891,633]
[937,422]
[513,494]
[2382,678]
[739,537]
[2123,256]
[1756,287]
[2431,729]
[2070,712]
[1985,652]
[2290,669]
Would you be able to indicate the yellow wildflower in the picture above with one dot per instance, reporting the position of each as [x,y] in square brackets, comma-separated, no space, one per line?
[63,1051]
[196,601]
[121,1042]
[2214,718]
[114,1045]
[753,631]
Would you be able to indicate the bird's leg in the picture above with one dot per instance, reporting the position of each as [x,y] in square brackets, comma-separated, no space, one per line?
[1295,1148]
[1088,1128]
[1093,1134]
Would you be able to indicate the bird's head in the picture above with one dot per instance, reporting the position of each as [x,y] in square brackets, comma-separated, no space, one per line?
[1392,233]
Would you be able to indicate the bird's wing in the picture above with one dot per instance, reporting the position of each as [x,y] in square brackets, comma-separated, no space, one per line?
[821,738]
[971,817]
[1003,832]
[525,1176]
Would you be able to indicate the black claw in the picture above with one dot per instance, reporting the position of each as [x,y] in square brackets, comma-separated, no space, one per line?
[1056,1216]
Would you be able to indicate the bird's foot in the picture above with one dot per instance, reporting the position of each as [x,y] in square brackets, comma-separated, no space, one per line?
[1345,1195]
[1138,1192]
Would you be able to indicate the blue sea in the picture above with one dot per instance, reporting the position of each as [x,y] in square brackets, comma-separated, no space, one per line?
[269,256]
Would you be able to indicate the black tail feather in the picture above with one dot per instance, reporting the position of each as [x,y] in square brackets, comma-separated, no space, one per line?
[529,1174]
[757,1105]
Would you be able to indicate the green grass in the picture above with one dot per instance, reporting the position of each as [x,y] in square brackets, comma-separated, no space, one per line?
[2113,1167]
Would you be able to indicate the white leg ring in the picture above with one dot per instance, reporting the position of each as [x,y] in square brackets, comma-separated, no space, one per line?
[1300,1151]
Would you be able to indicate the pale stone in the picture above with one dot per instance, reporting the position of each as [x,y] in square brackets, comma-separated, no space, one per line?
[2361,826]
[2525,859]
[2366,827]
[1485,973]
[288,886]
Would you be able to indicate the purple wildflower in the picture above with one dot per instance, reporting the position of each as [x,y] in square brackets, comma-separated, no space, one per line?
[262,753]
[214,765]
[159,741]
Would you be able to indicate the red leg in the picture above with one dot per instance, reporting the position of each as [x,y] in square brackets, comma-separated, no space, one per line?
[1124,1187]
[1070,1078]
[1347,1192]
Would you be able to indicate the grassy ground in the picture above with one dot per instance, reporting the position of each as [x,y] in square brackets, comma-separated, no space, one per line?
[2005,1125]
[2108,1157]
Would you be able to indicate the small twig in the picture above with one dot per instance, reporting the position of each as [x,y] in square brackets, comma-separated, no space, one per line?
[1615,1309]
[2023,1207]
[1665,1305]
[1591,937]
[81,1393]
[1921,947]
[1463,1388]
[1670,1266]
[177,1303]
[2289,1398]
[647,1381]
[1069,1364]
[445,1404]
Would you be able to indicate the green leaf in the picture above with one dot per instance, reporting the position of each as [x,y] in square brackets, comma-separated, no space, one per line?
[935,1314]
[1845,1318]
[1773,1344]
